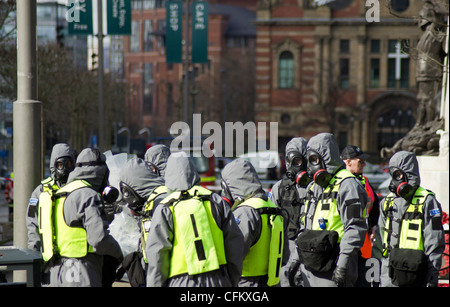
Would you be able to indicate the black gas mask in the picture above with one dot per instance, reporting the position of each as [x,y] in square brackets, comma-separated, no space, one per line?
[226,194]
[399,184]
[297,170]
[134,201]
[317,169]
[63,166]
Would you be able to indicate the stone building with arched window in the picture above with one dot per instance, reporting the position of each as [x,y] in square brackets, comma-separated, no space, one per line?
[322,66]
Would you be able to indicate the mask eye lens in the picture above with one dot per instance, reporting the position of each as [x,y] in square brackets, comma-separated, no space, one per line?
[397,175]
[314,160]
[297,161]
[59,165]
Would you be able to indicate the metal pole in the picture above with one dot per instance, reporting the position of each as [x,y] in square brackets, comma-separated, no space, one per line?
[27,115]
[186,66]
[101,120]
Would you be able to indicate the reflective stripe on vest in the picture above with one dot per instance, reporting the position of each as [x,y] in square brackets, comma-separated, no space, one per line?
[326,208]
[198,244]
[59,238]
[148,213]
[411,235]
[265,256]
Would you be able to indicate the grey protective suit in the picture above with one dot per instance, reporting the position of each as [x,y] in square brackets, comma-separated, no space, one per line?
[180,176]
[296,144]
[34,239]
[351,194]
[139,176]
[82,208]
[433,233]
[243,183]
[158,155]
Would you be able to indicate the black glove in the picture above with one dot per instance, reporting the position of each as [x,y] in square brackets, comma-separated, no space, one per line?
[339,276]
[293,277]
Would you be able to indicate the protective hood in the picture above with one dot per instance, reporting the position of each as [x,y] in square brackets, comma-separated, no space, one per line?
[242,179]
[59,151]
[326,146]
[158,155]
[296,144]
[181,174]
[91,166]
[140,177]
[407,162]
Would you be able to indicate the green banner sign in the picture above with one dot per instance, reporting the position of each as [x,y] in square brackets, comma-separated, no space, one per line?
[79,17]
[119,17]
[174,31]
[200,31]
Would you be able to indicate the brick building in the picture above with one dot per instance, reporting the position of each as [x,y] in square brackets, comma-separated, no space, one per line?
[324,67]
[222,87]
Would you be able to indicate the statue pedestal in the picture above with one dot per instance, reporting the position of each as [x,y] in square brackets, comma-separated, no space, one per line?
[434,177]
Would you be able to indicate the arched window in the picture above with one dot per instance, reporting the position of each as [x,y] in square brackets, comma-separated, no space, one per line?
[286,70]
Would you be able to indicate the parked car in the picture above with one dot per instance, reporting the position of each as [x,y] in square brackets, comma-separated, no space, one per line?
[375,174]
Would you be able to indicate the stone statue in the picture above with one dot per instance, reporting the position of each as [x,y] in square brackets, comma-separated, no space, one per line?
[430,58]
[423,139]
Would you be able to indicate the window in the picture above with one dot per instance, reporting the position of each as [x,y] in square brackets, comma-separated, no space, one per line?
[286,70]
[136,4]
[148,36]
[148,83]
[400,5]
[398,64]
[344,72]
[135,42]
[374,73]
[160,39]
[344,46]
[160,3]
[375,46]
[148,4]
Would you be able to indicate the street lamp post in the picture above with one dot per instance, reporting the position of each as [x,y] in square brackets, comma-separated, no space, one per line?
[27,129]
[145,130]
[125,129]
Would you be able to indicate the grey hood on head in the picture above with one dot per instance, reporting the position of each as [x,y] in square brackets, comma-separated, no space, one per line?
[296,144]
[326,146]
[242,179]
[96,175]
[140,177]
[181,174]
[407,162]
[59,151]
[158,156]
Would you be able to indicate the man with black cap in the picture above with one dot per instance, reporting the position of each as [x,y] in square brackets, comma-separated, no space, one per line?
[355,160]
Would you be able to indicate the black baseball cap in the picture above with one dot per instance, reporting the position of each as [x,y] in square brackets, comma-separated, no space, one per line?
[350,152]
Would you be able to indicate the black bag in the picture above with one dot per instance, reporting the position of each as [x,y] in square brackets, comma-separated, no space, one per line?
[318,249]
[407,267]
[133,267]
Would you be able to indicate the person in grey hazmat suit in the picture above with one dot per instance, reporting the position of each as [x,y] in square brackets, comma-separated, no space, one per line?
[157,155]
[334,217]
[289,194]
[62,162]
[241,186]
[185,206]
[410,227]
[82,209]
[142,190]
